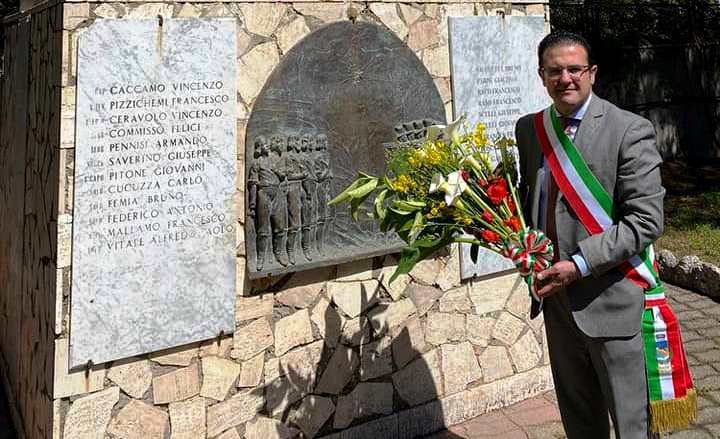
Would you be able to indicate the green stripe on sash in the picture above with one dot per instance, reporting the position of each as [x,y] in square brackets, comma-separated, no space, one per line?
[653,375]
[645,256]
[592,183]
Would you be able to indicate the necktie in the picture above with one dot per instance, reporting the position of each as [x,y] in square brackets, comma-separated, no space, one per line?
[552,192]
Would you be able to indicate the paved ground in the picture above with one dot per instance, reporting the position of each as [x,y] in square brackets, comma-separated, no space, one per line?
[538,418]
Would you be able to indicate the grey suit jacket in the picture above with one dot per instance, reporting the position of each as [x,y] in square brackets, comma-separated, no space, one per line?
[619,148]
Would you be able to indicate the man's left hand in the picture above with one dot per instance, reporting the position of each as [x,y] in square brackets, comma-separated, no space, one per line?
[555,278]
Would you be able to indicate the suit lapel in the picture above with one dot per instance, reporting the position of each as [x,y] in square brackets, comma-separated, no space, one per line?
[589,127]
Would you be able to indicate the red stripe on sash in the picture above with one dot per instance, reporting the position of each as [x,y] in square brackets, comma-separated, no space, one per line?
[681,381]
[654,302]
[586,218]
[629,271]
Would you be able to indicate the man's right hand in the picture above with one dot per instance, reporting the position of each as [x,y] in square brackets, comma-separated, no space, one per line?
[556,278]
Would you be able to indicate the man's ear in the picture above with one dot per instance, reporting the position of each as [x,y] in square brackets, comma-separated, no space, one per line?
[593,72]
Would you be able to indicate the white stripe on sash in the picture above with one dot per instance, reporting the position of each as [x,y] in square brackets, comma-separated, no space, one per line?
[643,270]
[664,360]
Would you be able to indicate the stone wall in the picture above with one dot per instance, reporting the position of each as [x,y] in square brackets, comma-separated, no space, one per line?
[332,351]
[29,146]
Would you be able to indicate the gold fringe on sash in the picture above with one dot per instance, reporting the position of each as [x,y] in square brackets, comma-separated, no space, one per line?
[673,414]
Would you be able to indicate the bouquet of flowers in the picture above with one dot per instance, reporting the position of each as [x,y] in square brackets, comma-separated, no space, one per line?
[445,188]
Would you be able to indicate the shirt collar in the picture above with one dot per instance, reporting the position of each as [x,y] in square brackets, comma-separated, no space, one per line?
[580,113]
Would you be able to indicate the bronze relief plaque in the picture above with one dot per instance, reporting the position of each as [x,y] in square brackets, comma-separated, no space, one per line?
[328,110]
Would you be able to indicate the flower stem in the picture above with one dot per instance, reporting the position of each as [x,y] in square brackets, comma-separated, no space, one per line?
[518,207]
[482,244]
[482,204]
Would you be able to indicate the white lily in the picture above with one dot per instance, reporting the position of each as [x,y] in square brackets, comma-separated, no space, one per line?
[456,187]
[450,132]
[453,187]
[435,183]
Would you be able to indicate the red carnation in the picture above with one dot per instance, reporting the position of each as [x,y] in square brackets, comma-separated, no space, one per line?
[511,205]
[464,174]
[497,191]
[513,223]
[490,236]
[487,216]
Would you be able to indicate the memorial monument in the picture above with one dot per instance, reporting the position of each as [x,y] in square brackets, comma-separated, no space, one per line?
[327,112]
[331,351]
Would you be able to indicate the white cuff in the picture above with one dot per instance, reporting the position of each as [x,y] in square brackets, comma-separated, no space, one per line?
[581,263]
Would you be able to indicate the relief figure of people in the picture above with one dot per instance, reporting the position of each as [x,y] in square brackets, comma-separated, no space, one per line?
[279,217]
[309,193]
[324,176]
[266,201]
[296,173]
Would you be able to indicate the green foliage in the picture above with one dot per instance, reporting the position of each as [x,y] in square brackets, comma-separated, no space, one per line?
[688,212]
[692,210]
[702,240]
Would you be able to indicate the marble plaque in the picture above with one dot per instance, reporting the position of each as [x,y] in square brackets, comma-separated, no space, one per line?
[328,110]
[155,163]
[493,62]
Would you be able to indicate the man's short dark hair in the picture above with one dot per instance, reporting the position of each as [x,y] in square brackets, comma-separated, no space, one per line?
[562,38]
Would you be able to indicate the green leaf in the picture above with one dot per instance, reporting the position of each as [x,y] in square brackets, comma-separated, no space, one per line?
[406,207]
[420,249]
[367,185]
[417,226]
[391,218]
[406,225]
[474,250]
[379,207]
[409,256]
[345,195]
[355,204]
[354,208]
[409,205]
[400,211]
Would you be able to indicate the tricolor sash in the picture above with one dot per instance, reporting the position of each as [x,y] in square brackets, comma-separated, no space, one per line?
[673,402]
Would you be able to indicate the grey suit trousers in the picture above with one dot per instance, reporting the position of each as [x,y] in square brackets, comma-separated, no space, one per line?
[581,365]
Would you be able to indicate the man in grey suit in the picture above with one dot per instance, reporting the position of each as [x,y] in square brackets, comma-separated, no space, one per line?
[592,312]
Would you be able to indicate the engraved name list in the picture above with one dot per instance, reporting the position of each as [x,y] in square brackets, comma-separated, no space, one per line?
[154,221]
[146,171]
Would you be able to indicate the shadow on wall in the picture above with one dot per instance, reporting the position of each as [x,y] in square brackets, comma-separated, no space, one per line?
[362,378]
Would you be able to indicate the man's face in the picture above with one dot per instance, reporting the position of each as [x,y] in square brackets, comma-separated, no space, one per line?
[261,146]
[277,144]
[294,144]
[305,143]
[567,76]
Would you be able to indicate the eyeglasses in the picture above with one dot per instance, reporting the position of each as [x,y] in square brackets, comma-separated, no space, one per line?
[575,72]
